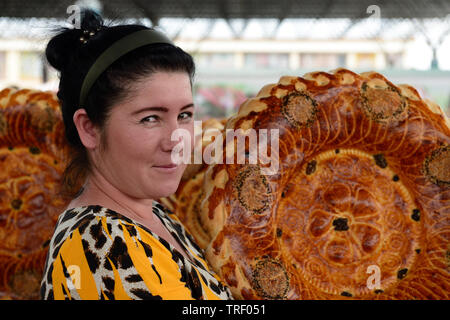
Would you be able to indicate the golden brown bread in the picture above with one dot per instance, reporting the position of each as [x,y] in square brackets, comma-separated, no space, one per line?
[33,155]
[363,188]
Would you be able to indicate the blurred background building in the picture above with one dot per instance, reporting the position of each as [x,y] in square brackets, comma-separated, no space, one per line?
[239,46]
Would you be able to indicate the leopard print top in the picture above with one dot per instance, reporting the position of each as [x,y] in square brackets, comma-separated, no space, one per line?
[97,253]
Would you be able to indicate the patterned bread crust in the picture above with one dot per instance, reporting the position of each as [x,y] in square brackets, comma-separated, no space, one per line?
[33,155]
[363,189]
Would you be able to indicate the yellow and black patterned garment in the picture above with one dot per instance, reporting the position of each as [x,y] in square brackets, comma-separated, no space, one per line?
[97,253]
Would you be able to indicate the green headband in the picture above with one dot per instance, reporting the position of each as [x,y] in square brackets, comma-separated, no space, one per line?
[115,51]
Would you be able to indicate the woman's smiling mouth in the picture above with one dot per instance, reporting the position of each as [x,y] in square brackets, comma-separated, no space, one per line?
[169,168]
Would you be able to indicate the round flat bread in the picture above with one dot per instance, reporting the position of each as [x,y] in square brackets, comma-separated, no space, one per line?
[359,207]
[33,155]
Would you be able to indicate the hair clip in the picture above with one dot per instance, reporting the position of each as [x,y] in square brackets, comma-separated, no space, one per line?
[87,34]
[83,40]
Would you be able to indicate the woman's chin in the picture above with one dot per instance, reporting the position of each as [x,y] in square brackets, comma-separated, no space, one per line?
[165,184]
[165,191]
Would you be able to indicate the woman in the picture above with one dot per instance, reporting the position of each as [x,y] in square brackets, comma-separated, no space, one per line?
[123,90]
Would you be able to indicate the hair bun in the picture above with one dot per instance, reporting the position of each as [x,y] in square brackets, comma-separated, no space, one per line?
[90,20]
[66,42]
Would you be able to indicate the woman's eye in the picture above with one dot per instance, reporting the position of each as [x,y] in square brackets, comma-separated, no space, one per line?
[185,115]
[150,119]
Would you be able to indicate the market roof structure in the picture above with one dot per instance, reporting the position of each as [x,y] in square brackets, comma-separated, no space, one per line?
[233,9]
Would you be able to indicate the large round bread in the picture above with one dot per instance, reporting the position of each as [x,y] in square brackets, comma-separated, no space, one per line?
[33,155]
[360,205]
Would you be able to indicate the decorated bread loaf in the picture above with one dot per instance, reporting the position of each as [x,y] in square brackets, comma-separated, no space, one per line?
[33,155]
[359,207]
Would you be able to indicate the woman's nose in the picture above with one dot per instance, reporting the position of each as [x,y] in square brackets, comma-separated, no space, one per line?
[169,140]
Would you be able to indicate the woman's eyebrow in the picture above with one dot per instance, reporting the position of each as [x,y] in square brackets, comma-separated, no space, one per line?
[160,109]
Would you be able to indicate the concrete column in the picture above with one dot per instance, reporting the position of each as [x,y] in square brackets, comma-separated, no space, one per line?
[294,60]
[239,60]
[13,66]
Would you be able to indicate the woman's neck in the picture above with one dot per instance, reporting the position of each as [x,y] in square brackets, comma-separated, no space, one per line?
[98,191]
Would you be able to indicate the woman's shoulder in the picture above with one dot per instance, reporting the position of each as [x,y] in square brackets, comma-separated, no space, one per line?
[78,218]
[84,219]
[100,242]
[95,225]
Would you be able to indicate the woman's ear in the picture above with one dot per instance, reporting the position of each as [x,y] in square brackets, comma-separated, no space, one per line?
[87,131]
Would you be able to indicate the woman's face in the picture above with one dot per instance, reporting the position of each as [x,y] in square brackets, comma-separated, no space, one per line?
[138,136]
